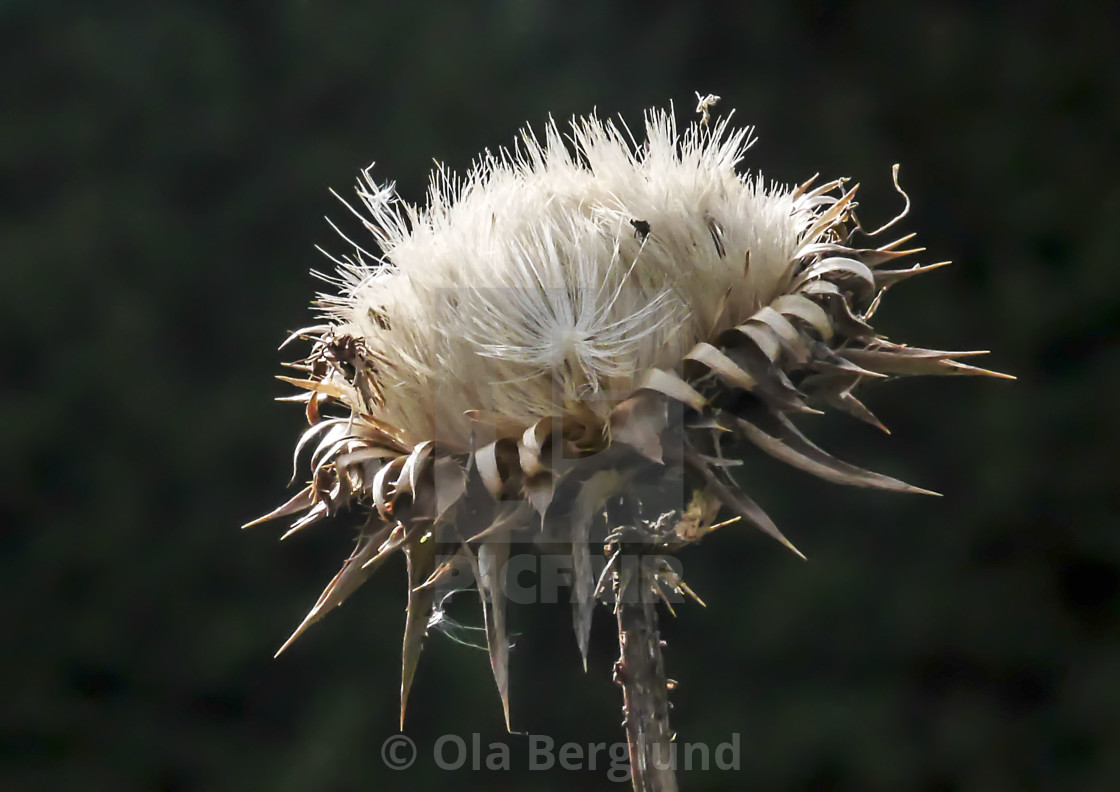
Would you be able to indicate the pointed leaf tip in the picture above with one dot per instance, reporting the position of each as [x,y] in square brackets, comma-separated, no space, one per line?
[592,497]
[421,565]
[489,566]
[354,572]
[779,437]
[738,501]
[302,500]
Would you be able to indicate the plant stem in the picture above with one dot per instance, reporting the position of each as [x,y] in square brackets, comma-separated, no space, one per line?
[640,672]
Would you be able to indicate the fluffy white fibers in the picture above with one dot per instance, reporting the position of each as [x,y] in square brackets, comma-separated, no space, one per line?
[551,277]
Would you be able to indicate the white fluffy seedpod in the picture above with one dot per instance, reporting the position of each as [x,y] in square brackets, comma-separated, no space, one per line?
[535,277]
[569,316]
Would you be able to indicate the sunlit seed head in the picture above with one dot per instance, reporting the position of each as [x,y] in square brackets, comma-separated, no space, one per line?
[559,270]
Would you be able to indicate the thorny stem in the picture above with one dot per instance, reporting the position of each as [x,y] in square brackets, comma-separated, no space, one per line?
[640,672]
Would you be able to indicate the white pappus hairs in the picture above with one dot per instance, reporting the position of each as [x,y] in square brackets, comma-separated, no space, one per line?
[572,322]
[550,276]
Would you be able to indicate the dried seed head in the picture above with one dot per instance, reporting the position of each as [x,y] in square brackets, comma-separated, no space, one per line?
[563,322]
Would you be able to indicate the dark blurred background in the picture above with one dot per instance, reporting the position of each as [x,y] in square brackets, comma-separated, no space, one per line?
[165,170]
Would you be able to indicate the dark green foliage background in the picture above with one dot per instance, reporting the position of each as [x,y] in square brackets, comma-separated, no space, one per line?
[165,168]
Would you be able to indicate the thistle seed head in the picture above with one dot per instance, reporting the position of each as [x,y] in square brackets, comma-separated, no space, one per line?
[567,320]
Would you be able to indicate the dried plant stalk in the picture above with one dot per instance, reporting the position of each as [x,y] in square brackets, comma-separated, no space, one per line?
[640,672]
